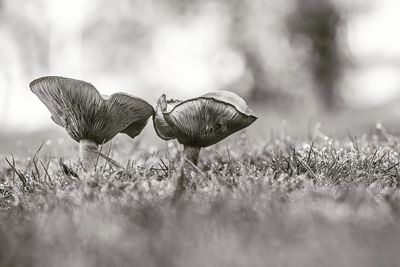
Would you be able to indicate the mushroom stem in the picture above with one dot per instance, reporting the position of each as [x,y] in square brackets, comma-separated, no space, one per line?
[192,154]
[88,155]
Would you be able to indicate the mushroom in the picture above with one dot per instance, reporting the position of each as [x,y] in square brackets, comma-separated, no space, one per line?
[89,118]
[201,122]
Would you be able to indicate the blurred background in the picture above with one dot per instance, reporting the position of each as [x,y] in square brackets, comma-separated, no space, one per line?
[297,62]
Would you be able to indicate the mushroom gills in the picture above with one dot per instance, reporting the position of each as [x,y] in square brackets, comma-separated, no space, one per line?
[87,117]
[204,122]
[80,109]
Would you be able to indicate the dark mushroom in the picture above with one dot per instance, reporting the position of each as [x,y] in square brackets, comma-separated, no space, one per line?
[202,121]
[88,118]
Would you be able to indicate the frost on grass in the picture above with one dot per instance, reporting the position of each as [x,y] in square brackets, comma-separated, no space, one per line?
[280,203]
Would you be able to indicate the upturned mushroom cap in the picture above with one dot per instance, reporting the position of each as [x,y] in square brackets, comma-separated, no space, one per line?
[204,120]
[163,129]
[79,108]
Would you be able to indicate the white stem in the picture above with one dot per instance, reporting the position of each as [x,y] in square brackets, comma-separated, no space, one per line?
[88,155]
[192,154]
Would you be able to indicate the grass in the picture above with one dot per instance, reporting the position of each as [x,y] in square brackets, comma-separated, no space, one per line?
[282,202]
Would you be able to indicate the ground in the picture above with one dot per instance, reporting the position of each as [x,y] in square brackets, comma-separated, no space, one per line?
[278,200]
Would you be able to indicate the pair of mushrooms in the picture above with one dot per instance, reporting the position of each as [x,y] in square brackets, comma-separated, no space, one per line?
[92,119]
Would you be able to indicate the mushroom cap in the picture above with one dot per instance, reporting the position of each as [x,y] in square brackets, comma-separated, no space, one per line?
[204,120]
[79,108]
[161,127]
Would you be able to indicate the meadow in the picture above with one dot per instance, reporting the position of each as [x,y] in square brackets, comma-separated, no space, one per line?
[266,200]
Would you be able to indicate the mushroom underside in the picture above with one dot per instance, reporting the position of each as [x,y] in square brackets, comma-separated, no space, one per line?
[204,122]
[79,108]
